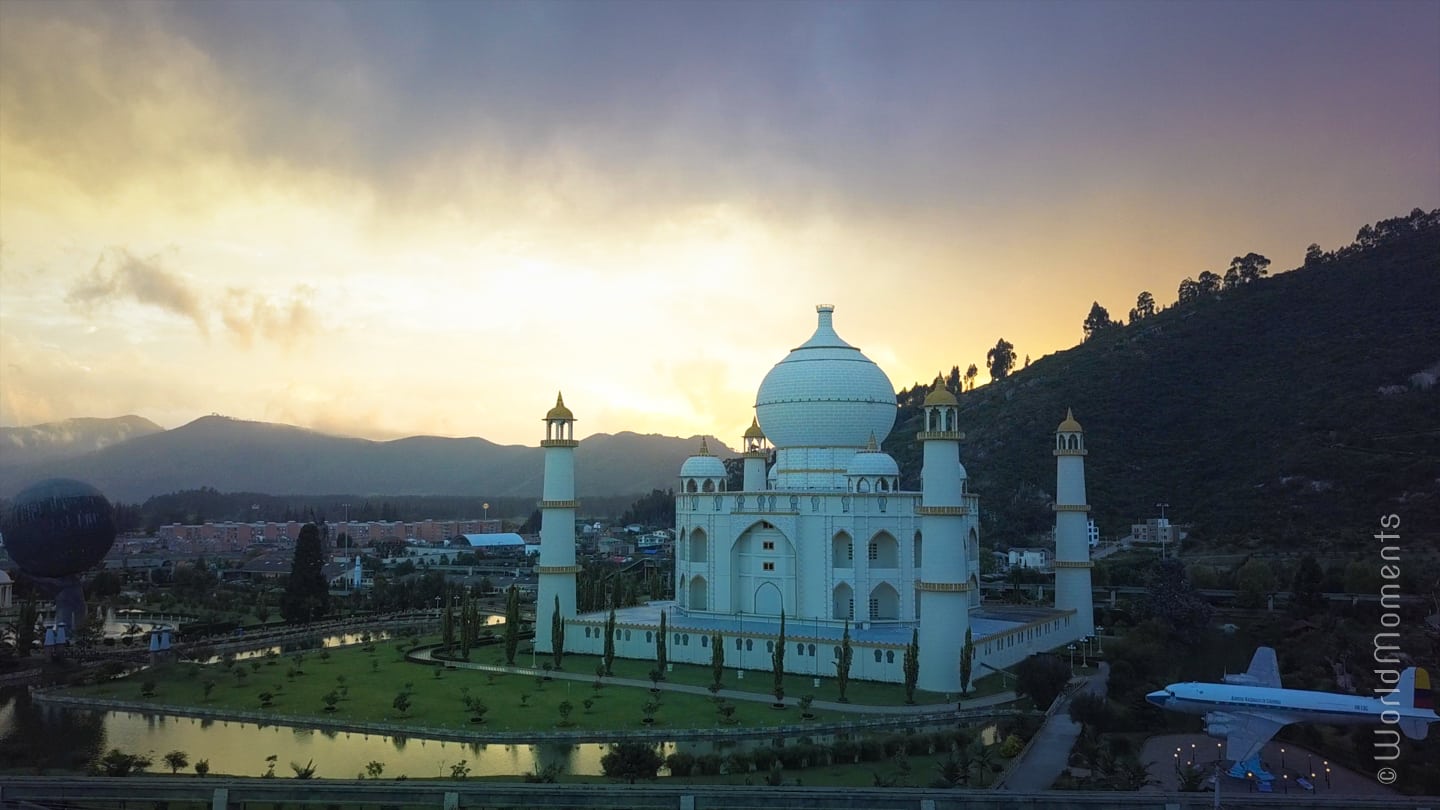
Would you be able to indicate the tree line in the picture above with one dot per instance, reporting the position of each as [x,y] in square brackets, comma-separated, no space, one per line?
[1243,271]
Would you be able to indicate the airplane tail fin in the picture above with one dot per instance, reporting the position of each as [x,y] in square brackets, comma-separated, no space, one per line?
[1414,692]
[1264,670]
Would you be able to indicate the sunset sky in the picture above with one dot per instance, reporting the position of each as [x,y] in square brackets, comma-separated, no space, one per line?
[385,219]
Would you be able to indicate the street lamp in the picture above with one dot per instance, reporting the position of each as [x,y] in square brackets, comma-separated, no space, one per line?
[1100,639]
[1072,659]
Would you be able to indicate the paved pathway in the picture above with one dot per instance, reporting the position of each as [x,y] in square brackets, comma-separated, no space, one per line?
[1049,752]
[423,655]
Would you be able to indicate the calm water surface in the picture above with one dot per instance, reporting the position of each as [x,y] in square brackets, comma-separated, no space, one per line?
[34,736]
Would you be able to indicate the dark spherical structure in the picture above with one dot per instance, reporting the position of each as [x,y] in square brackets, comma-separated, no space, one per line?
[59,528]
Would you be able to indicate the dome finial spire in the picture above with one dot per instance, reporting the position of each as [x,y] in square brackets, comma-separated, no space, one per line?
[1069,425]
[560,412]
[873,446]
[704,447]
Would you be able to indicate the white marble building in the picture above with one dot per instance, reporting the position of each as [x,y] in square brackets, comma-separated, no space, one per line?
[824,534]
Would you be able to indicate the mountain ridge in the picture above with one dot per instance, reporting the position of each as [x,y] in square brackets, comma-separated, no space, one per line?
[231,454]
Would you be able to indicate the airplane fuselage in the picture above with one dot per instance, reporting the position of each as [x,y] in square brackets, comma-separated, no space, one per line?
[1284,705]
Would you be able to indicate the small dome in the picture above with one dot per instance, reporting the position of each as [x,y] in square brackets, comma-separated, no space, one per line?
[754,431]
[873,464]
[941,395]
[702,464]
[559,411]
[1069,425]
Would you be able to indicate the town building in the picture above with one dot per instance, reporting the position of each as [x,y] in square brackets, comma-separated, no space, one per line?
[1037,558]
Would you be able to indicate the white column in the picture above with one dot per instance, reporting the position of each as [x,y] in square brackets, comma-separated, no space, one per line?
[944,586]
[1072,535]
[557,569]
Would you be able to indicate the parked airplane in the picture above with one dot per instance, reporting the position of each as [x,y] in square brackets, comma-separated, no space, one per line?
[1248,709]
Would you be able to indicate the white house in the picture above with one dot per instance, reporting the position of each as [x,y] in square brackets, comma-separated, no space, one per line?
[1029,558]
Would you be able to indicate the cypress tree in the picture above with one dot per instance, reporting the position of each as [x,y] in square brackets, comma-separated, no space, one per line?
[610,643]
[778,660]
[25,627]
[467,626]
[717,660]
[447,629]
[306,596]
[912,666]
[557,634]
[512,624]
[967,661]
[842,664]
[661,648]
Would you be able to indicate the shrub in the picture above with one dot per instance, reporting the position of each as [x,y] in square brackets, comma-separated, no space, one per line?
[893,744]
[918,744]
[631,761]
[709,764]
[1011,747]
[739,762]
[118,763]
[871,750]
[791,757]
[845,751]
[764,758]
[680,763]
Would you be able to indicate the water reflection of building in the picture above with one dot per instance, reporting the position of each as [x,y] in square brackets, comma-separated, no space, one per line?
[821,534]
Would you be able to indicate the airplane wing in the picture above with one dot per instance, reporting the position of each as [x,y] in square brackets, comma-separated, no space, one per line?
[1246,733]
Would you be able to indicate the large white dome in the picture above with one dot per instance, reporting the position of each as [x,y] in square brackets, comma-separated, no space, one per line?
[825,393]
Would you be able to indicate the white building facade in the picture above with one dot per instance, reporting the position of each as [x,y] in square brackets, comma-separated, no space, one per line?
[821,532]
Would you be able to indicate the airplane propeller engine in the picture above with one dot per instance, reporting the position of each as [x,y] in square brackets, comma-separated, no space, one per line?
[1219,724]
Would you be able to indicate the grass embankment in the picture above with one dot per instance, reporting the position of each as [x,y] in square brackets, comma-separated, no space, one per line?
[370,678]
[868,693]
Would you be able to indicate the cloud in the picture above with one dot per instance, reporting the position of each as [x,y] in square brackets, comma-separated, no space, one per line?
[249,315]
[119,275]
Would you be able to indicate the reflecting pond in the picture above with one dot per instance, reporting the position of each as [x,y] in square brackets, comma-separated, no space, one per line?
[35,736]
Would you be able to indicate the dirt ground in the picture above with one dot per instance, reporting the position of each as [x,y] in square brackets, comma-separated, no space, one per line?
[1298,763]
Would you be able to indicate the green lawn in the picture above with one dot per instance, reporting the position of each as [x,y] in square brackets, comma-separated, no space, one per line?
[759,681]
[516,702]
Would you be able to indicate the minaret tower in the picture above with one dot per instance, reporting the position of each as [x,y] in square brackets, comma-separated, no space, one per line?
[757,452]
[943,582]
[1072,537]
[557,568]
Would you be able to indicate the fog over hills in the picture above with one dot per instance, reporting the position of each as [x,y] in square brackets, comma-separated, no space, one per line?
[69,438]
[236,455]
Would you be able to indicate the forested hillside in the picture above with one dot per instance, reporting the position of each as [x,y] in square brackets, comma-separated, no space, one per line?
[1294,409]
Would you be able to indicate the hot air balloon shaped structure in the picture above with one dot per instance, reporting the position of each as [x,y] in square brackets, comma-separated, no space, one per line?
[55,530]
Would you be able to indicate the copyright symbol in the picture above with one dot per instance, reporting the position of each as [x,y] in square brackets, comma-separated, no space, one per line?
[1386,776]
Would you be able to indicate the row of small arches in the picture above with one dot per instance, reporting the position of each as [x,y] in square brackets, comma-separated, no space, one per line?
[748,644]
[883,550]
